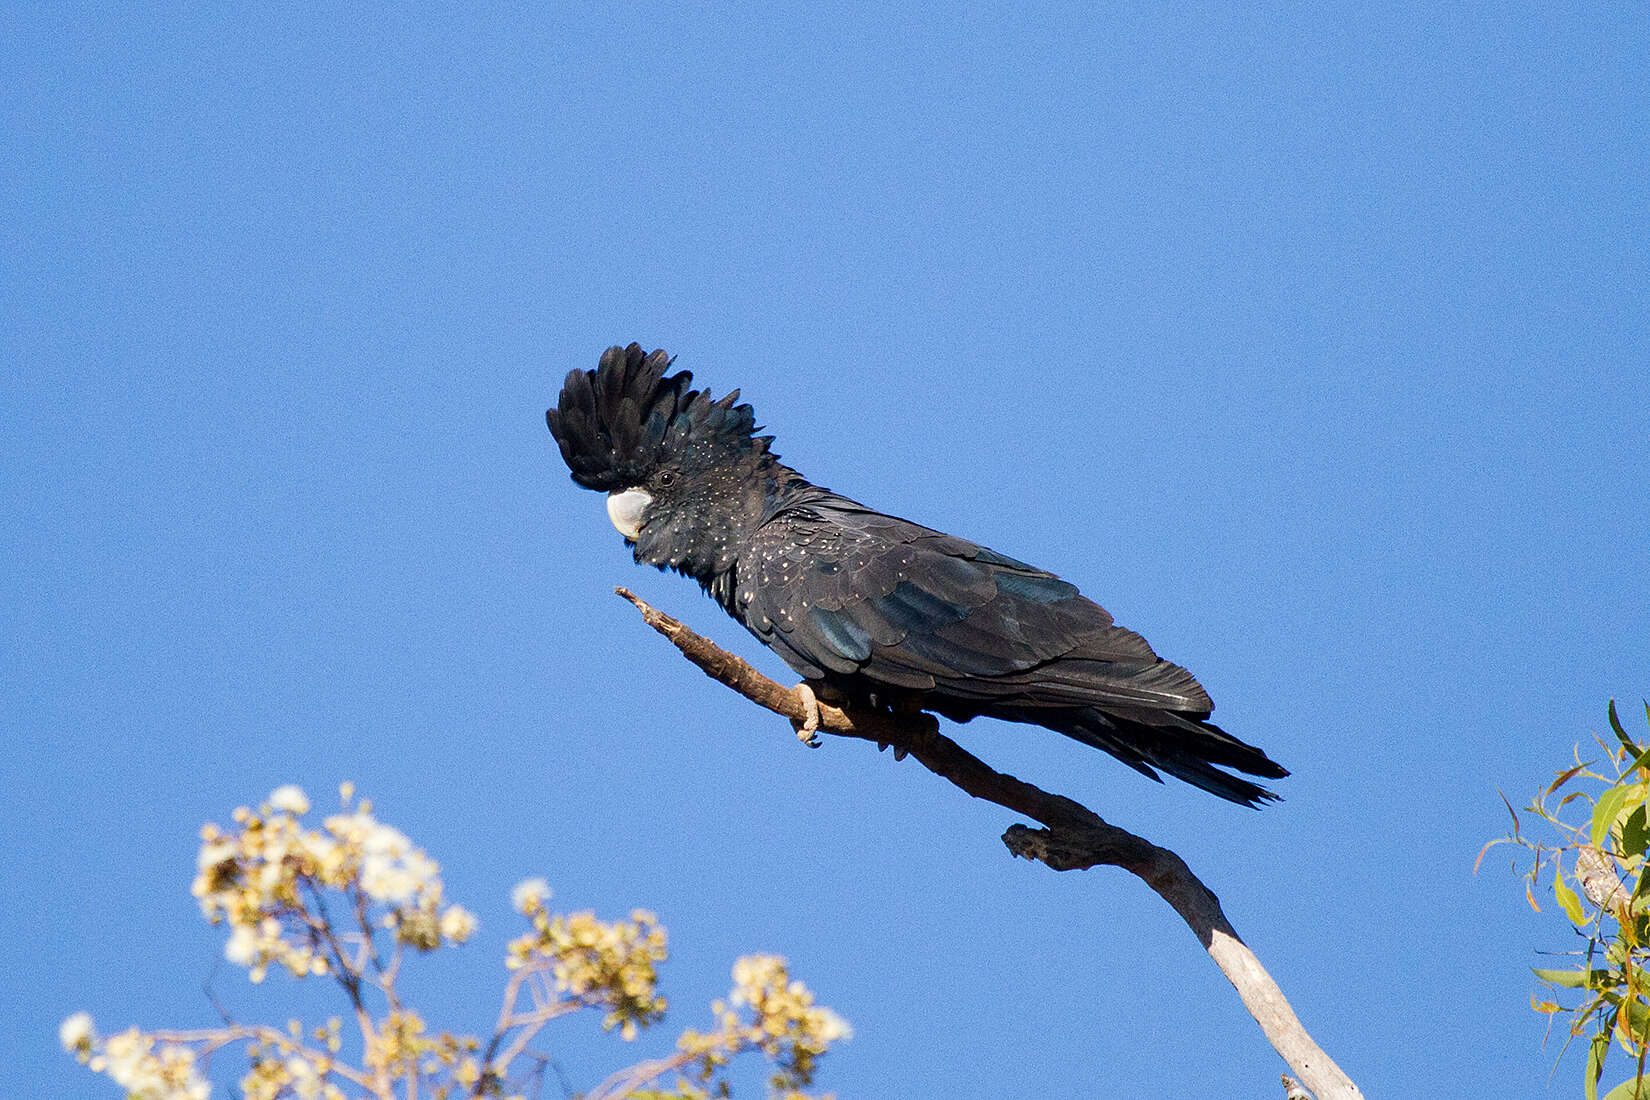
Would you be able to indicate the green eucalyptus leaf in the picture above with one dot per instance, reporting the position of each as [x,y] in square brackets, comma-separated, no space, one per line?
[1568,901]
[1605,811]
[1597,978]
[1564,979]
[1621,734]
[1635,832]
[1596,1050]
[1565,776]
[1641,886]
[1638,1017]
[1634,1088]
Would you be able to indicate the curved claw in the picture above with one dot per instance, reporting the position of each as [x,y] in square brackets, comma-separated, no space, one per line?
[806,729]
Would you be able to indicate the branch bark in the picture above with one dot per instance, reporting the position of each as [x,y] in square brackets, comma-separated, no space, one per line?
[1073,838]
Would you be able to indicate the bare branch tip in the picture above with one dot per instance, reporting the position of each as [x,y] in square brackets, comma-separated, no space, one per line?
[652,614]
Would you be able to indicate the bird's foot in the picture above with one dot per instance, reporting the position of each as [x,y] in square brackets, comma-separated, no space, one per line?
[807,729]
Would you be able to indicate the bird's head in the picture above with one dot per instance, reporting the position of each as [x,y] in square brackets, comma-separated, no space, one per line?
[680,469]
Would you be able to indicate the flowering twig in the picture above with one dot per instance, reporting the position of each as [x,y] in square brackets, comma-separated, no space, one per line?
[274,882]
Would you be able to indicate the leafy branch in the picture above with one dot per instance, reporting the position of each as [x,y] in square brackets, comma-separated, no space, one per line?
[1590,854]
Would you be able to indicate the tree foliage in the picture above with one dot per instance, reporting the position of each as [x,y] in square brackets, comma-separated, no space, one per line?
[354,900]
[1588,853]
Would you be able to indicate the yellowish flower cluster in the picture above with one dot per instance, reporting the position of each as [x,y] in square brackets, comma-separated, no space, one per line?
[596,962]
[283,1066]
[266,878]
[145,1068]
[317,900]
[784,1024]
[300,1074]
[400,1049]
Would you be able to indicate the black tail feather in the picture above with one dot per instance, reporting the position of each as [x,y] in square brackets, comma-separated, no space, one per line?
[1188,748]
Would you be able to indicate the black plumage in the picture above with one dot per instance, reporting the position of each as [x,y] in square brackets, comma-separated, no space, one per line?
[869,608]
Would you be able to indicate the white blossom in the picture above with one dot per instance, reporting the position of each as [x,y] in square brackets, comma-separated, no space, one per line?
[530,895]
[76,1032]
[289,799]
[458,924]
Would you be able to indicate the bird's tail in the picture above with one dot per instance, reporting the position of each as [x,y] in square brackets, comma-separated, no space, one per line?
[1183,745]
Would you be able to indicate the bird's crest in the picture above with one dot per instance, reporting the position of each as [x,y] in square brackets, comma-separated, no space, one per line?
[616,423]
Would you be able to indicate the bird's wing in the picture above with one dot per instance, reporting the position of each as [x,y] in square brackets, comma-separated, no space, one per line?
[839,590]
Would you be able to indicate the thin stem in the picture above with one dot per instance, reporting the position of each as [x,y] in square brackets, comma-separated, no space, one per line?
[214,1039]
[530,1024]
[627,1081]
[494,1063]
[321,930]
[506,1008]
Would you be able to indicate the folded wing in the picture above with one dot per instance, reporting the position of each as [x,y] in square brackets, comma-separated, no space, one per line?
[866,601]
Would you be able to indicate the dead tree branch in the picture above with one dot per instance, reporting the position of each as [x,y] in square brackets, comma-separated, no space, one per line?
[1074,837]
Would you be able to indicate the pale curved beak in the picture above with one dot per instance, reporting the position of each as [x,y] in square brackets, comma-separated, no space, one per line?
[625,510]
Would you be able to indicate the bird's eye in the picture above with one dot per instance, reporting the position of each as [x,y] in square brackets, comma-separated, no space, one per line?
[667,477]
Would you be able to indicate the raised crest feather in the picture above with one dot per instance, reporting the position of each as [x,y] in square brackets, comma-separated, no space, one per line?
[616,423]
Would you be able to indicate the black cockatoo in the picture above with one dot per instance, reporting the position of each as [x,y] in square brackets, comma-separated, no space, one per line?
[867,608]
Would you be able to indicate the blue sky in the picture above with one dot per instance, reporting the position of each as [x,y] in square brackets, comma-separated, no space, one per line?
[1309,339]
